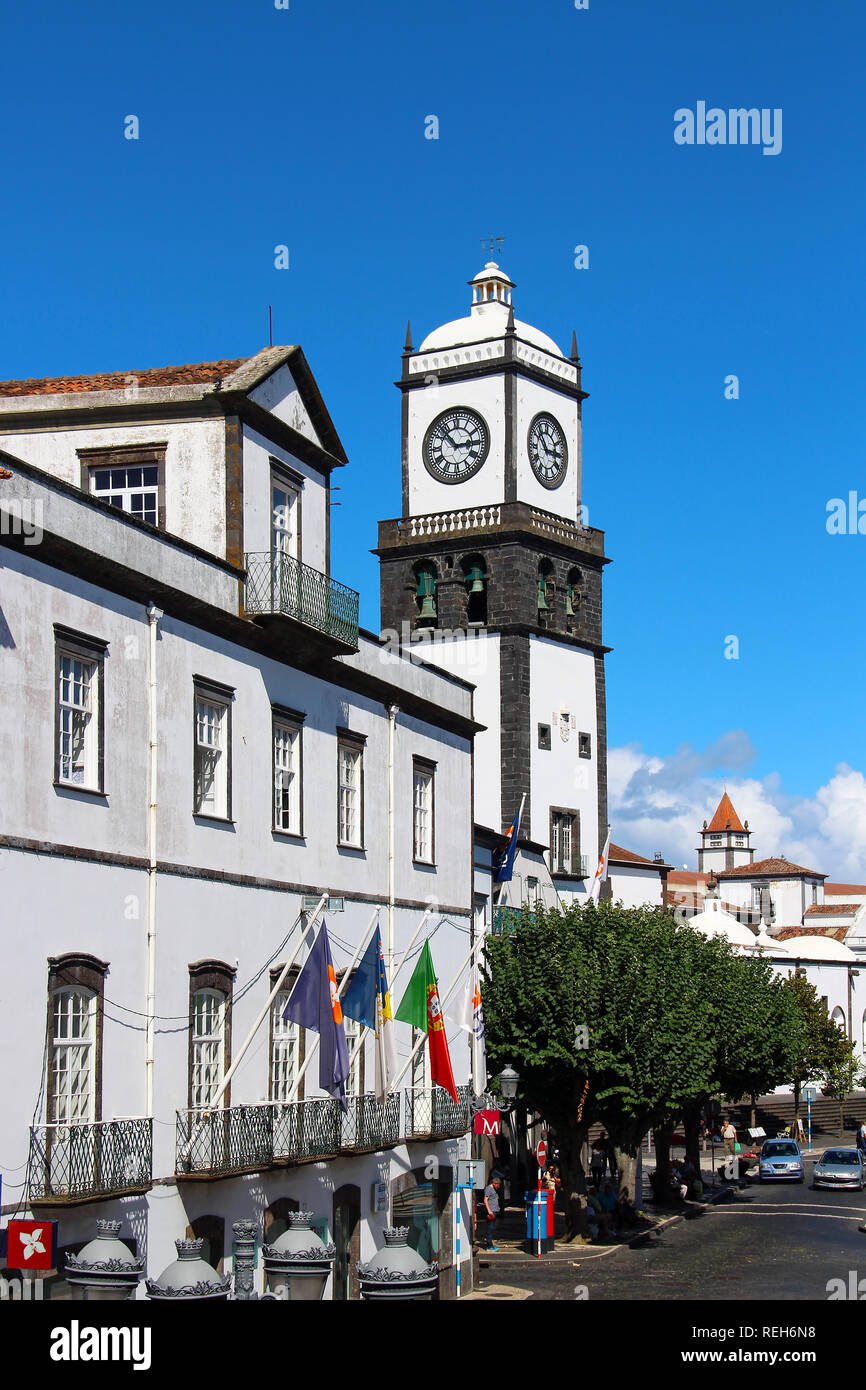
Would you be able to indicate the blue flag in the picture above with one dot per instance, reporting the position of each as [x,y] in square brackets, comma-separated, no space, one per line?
[503,855]
[367,1000]
[359,997]
[314,1004]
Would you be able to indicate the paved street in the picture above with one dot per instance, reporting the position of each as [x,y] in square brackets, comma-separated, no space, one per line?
[771,1241]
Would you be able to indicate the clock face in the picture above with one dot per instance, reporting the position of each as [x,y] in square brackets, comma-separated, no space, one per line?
[456,445]
[548,451]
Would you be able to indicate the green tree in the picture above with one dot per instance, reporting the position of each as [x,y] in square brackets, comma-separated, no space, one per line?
[821,1047]
[841,1076]
[632,978]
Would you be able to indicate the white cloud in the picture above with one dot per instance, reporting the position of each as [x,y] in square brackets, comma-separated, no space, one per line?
[660,804]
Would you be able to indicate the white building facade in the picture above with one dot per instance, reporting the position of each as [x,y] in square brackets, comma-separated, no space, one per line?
[199,746]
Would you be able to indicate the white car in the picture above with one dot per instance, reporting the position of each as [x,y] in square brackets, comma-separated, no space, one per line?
[842,1167]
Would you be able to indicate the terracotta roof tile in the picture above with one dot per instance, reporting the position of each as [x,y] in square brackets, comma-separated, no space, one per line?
[726,817]
[618,854]
[192,374]
[836,933]
[767,868]
[685,878]
[836,888]
[833,909]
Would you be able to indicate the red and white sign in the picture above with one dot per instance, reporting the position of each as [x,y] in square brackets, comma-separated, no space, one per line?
[541,1153]
[32,1245]
[487,1122]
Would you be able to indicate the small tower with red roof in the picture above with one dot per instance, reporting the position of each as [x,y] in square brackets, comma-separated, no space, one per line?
[725,841]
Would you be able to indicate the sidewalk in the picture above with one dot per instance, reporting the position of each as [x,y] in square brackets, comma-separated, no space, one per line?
[511,1235]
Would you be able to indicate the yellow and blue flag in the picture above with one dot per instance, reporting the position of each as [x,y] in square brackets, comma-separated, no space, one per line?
[367,1000]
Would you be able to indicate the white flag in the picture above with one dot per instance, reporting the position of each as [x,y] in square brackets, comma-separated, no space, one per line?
[472,1020]
[601,871]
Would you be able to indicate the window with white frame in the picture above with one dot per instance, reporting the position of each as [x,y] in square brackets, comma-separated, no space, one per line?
[79,666]
[564,840]
[422,811]
[212,758]
[133,490]
[287,776]
[207,1048]
[131,479]
[73,1082]
[73,1051]
[350,805]
[353,1032]
[285,1050]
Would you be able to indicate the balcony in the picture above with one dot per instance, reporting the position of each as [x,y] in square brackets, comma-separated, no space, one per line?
[220,1143]
[433,1114]
[498,519]
[249,1138]
[82,1163]
[279,586]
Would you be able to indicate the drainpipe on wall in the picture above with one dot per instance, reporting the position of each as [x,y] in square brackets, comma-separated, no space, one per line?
[393,711]
[153,616]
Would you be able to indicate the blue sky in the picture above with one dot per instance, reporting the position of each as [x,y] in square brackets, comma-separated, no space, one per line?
[305,127]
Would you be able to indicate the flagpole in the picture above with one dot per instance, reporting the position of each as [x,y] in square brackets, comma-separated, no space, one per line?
[266,1006]
[342,985]
[443,1001]
[365,1030]
[502,887]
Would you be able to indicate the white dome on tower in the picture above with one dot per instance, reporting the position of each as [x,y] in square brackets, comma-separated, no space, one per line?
[487,317]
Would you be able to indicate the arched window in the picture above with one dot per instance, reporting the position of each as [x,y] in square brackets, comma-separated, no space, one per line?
[546,591]
[573,594]
[210,995]
[838,1017]
[74,1081]
[425,591]
[475,575]
[72,1056]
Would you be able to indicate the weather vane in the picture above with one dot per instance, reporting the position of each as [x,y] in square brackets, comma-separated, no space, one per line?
[493,245]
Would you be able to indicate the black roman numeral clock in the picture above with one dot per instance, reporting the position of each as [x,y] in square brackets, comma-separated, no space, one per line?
[548,451]
[456,445]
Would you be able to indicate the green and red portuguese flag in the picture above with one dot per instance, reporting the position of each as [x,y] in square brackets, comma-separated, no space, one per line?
[421,1008]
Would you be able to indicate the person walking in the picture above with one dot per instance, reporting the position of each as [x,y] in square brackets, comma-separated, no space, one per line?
[861,1138]
[491,1206]
[729,1137]
[597,1159]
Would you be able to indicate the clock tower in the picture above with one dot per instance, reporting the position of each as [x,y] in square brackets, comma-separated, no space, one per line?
[493,568]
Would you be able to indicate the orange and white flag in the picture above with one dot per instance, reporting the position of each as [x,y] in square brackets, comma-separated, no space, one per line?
[601,871]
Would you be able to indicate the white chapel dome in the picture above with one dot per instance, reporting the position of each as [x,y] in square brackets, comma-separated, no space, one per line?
[818,948]
[488,317]
[715,921]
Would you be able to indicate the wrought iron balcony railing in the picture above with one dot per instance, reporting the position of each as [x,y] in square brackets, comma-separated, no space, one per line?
[69,1163]
[247,1138]
[433,1114]
[239,1139]
[280,584]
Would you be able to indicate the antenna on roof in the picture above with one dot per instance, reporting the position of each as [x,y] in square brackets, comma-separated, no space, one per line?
[270,328]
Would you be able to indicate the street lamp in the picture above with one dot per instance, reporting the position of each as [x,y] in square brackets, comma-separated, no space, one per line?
[508,1080]
[299,1262]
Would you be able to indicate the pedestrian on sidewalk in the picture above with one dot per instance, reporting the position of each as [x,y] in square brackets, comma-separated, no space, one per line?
[598,1159]
[491,1206]
[729,1137]
[861,1138]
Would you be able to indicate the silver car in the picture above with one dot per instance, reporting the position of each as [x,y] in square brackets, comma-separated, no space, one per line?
[781,1161]
[840,1168]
